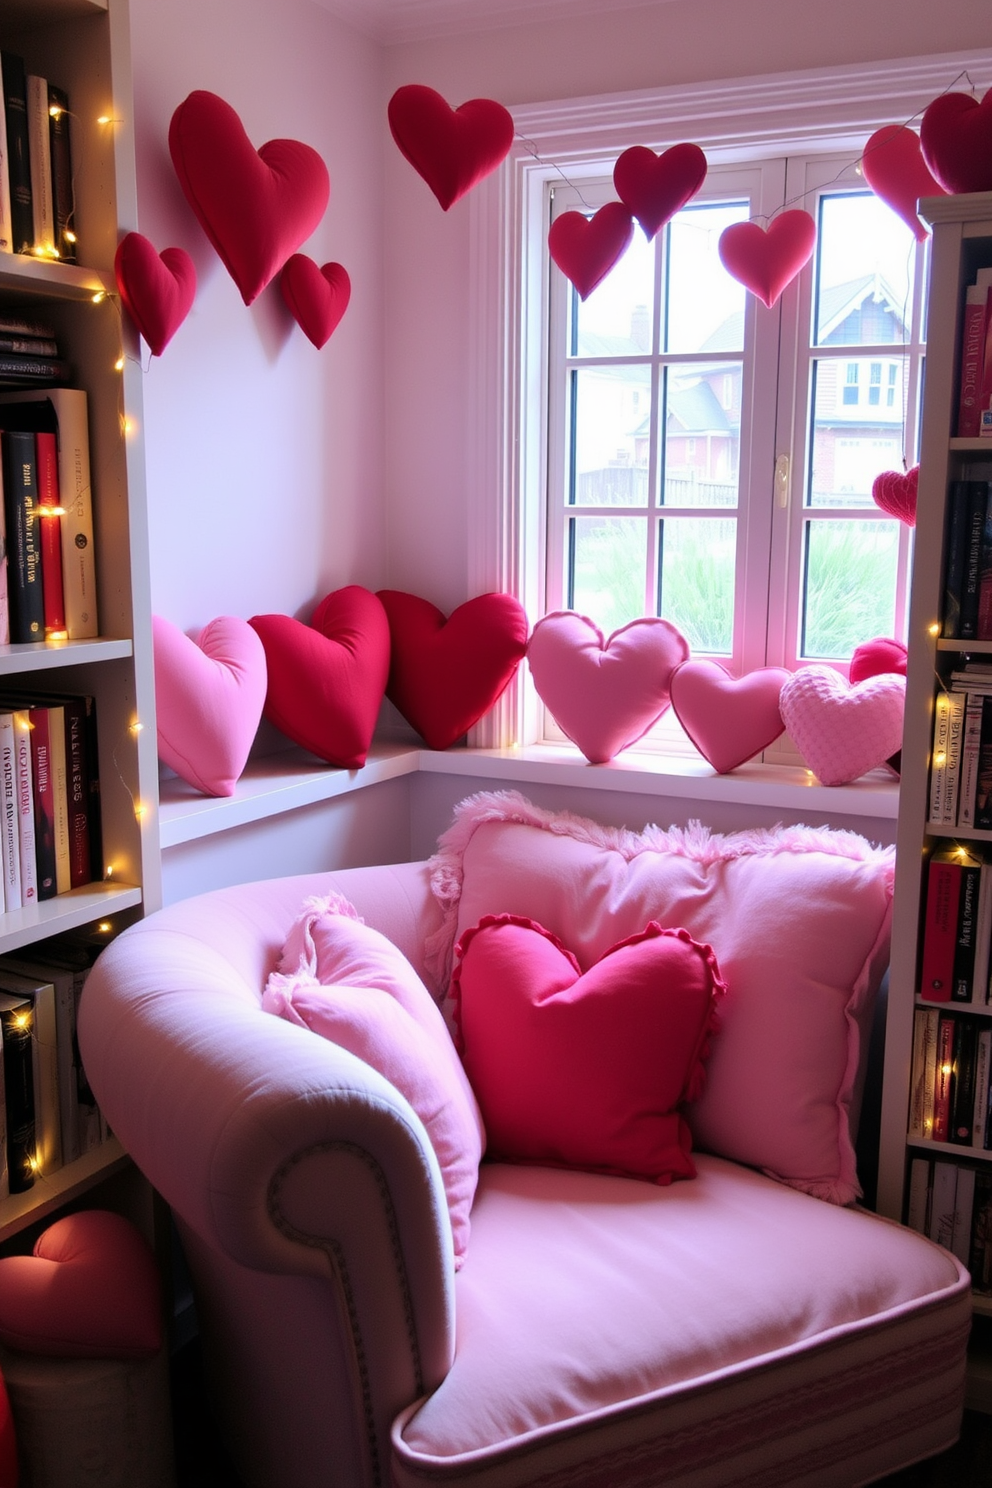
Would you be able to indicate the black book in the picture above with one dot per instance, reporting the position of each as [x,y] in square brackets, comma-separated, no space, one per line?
[977,496]
[963,1082]
[20,370]
[954,562]
[20,497]
[15,100]
[17,1026]
[983,792]
[63,204]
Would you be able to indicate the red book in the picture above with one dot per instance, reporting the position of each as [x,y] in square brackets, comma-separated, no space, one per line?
[49,506]
[985,401]
[940,929]
[972,362]
[945,1075]
[43,780]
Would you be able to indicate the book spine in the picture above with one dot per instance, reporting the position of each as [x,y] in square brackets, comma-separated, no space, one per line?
[94,820]
[18,1072]
[983,1064]
[983,783]
[63,200]
[45,1069]
[972,362]
[974,529]
[18,157]
[940,930]
[963,1082]
[938,757]
[16,368]
[922,1081]
[945,1072]
[957,521]
[78,570]
[44,802]
[964,945]
[60,798]
[917,1213]
[25,806]
[27,612]
[88,1114]
[10,847]
[6,227]
[980,1258]
[964,1200]
[983,936]
[77,735]
[942,1202]
[985,399]
[40,160]
[49,507]
[952,771]
[970,745]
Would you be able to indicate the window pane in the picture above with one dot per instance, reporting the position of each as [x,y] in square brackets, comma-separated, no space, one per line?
[852,441]
[705,305]
[864,282]
[850,585]
[616,318]
[606,559]
[702,434]
[611,414]
[696,564]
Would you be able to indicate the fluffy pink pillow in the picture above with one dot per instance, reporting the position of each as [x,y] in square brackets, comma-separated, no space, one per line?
[347,982]
[591,1069]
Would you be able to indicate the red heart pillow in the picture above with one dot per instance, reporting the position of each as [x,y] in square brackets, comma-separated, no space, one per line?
[876,658]
[446,673]
[317,297]
[157,289]
[895,170]
[956,137]
[655,187]
[765,261]
[894,493]
[255,206]
[586,1070]
[587,248]
[326,680]
[451,149]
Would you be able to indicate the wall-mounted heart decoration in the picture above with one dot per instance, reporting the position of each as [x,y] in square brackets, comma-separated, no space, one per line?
[326,680]
[158,289]
[451,149]
[317,297]
[956,137]
[255,206]
[766,260]
[587,248]
[894,168]
[655,187]
[208,700]
[729,719]
[894,493]
[445,674]
[842,731]
[604,693]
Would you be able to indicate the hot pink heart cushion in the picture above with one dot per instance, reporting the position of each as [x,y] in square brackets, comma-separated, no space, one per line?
[89,1290]
[895,170]
[655,187]
[326,680]
[451,149]
[255,206]
[209,695]
[604,694]
[956,136]
[587,248]
[445,674]
[158,289]
[588,1070]
[841,731]
[729,719]
[317,297]
[765,261]
[894,493]
[874,658]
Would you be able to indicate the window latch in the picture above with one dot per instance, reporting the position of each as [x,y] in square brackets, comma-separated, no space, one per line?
[782,481]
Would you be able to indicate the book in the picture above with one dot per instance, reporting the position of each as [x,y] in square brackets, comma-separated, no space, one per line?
[20,483]
[971,737]
[6,229]
[17,370]
[977,501]
[943,1079]
[983,776]
[63,193]
[40,162]
[983,936]
[18,159]
[45,1067]
[43,787]
[58,756]
[74,767]
[943,1201]
[16,1026]
[923,1074]
[983,1068]
[980,1257]
[962,986]
[963,1082]
[957,517]
[10,846]
[918,1208]
[964,1200]
[43,967]
[940,926]
[16,323]
[25,805]
[4,597]
[32,346]
[50,527]
[946,757]
[972,361]
[985,397]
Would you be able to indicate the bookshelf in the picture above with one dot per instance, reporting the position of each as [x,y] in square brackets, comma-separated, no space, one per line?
[83,46]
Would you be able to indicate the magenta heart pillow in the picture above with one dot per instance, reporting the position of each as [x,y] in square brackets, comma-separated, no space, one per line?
[588,1070]
[765,260]
[894,168]
[842,731]
[209,695]
[873,658]
[894,493]
[604,694]
[255,206]
[317,297]
[587,248]
[956,137]
[157,289]
[729,719]
[655,187]
[451,149]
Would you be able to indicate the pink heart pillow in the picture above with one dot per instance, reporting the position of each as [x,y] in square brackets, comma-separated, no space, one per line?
[451,149]
[446,673]
[842,731]
[956,136]
[729,719]
[157,289]
[586,1070]
[766,260]
[655,187]
[209,695]
[895,170]
[255,206]
[326,680]
[587,248]
[604,694]
[894,493]
[317,297]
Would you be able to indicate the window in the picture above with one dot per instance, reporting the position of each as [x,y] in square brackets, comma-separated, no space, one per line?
[851,383]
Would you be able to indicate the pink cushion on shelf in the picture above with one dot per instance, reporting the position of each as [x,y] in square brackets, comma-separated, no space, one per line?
[798,917]
[588,1069]
[347,982]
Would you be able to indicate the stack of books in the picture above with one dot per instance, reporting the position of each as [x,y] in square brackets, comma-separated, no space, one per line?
[956,954]
[952,1203]
[949,1091]
[37,208]
[29,352]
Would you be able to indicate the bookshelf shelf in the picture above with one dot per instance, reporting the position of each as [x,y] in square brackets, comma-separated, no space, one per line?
[49,1194]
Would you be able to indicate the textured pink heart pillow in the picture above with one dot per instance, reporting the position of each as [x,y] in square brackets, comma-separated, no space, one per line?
[894,493]
[326,680]
[956,137]
[158,289]
[729,719]
[445,673]
[587,1070]
[766,260]
[209,695]
[587,248]
[89,1290]
[604,694]
[895,170]
[317,297]
[451,149]
[655,187]
[347,982]
[255,206]
[842,731]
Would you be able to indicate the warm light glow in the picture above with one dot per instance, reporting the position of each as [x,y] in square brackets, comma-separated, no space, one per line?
[51,511]
[99,297]
[136,726]
[104,927]
[933,629]
[127,427]
[57,635]
[22,1020]
[119,364]
[139,812]
[34,1163]
[69,235]
[110,872]
[939,759]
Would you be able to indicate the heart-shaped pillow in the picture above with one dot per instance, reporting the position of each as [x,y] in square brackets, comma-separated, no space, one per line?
[209,695]
[317,297]
[327,679]
[894,168]
[586,1070]
[157,289]
[451,149]
[894,493]
[255,206]
[874,659]
[89,1290]
[956,137]
[729,719]
[444,674]
[655,187]
[587,248]
[604,694]
[842,731]
[766,260]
